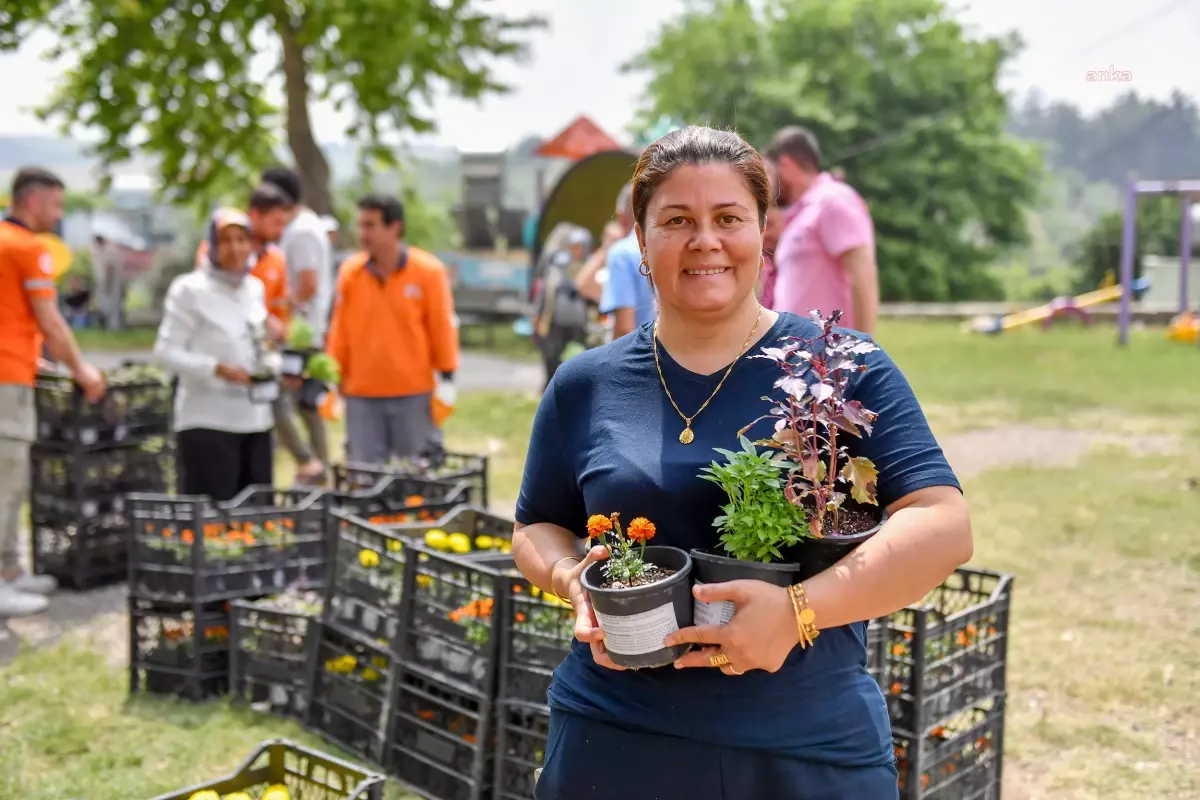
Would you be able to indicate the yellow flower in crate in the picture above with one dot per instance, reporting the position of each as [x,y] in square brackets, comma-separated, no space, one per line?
[236,796]
[436,539]
[379,662]
[206,794]
[424,581]
[370,674]
[535,591]
[460,543]
[484,543]
[368,558]
[277,792]
[395,545]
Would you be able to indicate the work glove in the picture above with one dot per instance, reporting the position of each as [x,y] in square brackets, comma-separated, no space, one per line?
[445,396]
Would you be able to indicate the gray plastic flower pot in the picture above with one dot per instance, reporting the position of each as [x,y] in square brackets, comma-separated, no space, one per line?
[635,621]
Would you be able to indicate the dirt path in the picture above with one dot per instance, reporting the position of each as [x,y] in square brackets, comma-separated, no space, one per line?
[101,618]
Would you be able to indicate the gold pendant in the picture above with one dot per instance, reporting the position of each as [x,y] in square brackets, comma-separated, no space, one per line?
[687,436]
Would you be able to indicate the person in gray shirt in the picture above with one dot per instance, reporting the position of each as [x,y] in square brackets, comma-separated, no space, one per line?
[308,254]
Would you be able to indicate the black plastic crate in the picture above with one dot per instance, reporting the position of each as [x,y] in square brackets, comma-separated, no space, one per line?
[270,643]
[178,649]
[946,654]
[521,732]
[453,618]
[958,760]
[443,739]
[540,631]
[464,530]
[396,499]
[190,548]
[351,700]
[83,554]
[362,596]
[136,404]
[454,467]
[78,511]
[67,482]
[308,775]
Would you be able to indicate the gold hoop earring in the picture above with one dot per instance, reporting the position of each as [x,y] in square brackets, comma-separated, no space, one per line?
[762,263]
[644,269]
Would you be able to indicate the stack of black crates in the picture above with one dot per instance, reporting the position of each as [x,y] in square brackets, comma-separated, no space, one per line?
[406,669]
[86,458]
[191,557]
[941,665]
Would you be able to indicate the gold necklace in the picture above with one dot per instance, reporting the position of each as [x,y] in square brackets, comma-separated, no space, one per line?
[687,436]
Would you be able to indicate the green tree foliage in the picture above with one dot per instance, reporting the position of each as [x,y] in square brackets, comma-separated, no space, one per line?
[900,97]
[1132,138]
[1159,221]
[173,81]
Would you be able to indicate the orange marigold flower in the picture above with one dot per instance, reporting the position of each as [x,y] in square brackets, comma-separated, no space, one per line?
[598,525]
[640,529]
[413,500]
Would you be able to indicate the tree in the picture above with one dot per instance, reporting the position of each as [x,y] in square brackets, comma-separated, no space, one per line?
[899,97]
[172,79]
[1131,138]
[1157,233]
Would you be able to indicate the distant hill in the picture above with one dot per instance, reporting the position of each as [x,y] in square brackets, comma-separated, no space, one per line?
[435,168]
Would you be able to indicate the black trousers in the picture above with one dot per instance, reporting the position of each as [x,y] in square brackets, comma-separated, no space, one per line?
[219,464]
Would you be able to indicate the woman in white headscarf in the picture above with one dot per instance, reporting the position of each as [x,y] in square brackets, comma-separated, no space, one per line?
[213,336]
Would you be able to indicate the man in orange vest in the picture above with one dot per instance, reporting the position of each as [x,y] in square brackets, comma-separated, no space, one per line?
[29,314]
[394,334]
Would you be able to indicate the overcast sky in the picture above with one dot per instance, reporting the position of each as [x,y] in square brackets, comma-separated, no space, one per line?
[574,66]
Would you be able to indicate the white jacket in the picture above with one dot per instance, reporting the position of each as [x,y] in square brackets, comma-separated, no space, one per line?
[207,322]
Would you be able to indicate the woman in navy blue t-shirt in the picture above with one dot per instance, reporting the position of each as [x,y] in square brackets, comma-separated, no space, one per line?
[778,722]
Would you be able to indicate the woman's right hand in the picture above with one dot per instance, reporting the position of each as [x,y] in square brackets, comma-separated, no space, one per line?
[587,627]
[233,374]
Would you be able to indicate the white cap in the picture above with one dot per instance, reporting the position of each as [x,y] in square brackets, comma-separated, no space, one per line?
[330,222]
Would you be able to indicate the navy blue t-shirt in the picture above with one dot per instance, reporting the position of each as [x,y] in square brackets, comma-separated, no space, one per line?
[606,439]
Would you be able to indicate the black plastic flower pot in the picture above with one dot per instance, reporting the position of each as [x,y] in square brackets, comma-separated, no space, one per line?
[814,556]
[636,620]
[292,363]
[713,568]
[312,394]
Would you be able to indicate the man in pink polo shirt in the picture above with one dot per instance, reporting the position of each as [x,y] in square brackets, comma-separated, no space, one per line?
[825,258]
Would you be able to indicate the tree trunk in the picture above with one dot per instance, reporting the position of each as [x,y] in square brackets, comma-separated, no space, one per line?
[310,161]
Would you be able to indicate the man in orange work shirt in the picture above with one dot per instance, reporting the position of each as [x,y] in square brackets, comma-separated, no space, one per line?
[394,335]
[28,313]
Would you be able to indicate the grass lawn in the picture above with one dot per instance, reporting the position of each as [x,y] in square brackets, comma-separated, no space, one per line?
[1104,672]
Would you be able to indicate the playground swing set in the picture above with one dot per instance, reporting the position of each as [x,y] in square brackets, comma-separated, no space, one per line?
[1184,327]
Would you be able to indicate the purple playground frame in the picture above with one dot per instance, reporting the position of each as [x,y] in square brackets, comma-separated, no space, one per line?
[1136,188]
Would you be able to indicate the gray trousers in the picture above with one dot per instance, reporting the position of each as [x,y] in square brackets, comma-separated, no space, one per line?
[381,428]
[18,426]
[286,412]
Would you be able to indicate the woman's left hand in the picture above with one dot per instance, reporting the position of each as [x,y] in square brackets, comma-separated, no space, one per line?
[760,636]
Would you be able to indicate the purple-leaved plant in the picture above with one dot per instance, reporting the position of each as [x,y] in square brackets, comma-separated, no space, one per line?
[810,416]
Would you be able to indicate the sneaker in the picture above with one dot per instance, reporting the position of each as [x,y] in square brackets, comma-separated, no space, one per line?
[19,604]
[32,584]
